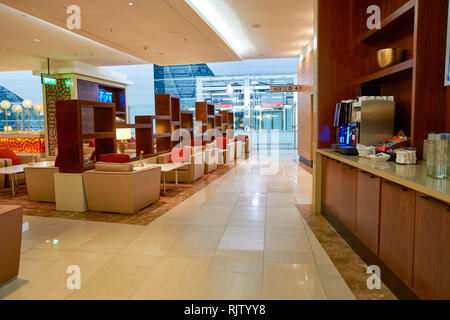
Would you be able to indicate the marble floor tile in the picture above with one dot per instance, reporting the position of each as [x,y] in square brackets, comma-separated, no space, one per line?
[228,286]
[292,282]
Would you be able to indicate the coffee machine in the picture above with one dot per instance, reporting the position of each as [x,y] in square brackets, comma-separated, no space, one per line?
[366,120]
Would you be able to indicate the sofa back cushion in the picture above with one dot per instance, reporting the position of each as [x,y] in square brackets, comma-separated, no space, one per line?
[115,158]
[7,153]
[222,142]
[113,167]
[242,137]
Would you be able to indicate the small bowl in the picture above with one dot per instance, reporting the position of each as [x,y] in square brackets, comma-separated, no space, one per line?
[389,56]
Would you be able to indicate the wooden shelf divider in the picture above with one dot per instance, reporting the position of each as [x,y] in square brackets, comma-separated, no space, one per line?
[383,73]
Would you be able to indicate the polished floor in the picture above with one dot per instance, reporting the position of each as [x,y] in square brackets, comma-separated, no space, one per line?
[240,237]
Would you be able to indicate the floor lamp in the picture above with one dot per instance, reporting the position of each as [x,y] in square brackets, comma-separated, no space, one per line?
[5,104]
[17,109]
[39,108]
[27,103]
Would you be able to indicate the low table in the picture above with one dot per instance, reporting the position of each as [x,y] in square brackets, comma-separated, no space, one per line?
[165,168]
[12,172]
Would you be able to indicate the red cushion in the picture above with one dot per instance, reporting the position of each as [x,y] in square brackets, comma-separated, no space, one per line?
[115,158]
[92,143]
[132,140]
[7,153]
[180,155]
[222,142]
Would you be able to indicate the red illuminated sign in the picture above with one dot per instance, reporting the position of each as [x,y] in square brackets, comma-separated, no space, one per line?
[272,105]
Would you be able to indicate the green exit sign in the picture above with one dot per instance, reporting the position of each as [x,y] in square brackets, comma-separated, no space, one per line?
[49,79]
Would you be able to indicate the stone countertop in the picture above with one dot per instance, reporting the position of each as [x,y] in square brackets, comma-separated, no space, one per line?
[411,176]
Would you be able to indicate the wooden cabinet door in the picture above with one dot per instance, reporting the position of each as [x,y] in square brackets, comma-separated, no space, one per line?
[368,189]
[432,249]
[330,183]
[346,189]
[397,229]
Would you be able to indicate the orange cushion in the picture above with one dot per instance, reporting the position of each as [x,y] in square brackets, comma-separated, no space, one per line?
[115,158]
[7,153]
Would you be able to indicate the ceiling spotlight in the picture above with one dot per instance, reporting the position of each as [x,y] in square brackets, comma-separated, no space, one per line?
[36,40]
[132,4]
[184,39]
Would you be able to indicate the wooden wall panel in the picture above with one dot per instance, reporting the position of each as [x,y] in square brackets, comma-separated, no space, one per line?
[429,97]
[335,65]
[305,108]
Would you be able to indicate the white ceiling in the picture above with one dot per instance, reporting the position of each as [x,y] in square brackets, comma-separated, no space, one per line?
[165,32]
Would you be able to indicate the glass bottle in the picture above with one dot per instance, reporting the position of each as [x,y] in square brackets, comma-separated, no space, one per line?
[441,157]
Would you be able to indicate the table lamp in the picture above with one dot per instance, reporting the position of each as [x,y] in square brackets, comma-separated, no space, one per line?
[27,105]
[5,104]
[17,109]
[39,108]
[123,134]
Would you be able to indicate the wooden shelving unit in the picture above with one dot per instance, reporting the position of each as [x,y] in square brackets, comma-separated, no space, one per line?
[224,115]
[167,120]
[230,121]
[395,69]
[218,122]
[205,113]
[414,25]
[187,121]
[144,135]
[78,121]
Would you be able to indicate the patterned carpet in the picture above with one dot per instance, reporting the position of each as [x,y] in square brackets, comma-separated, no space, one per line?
[173,197]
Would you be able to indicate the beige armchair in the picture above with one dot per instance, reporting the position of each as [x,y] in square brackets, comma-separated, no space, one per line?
[41,183]
[227,155]
[24,159]
[191,172]
[211,157]
[239,149]
[121,189]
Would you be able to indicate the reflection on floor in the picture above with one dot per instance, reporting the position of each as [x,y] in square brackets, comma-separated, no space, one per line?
[240,237]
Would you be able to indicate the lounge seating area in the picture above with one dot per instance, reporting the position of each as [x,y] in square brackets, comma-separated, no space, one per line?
[112,181]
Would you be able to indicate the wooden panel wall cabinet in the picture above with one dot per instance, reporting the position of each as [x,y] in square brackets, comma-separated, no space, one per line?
[397,229]
[368,209]
[339,191]
[432,248]
[330,183]
[78,121]
[346,210]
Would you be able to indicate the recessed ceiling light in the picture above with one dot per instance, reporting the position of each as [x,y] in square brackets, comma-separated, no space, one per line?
[36,40]
[132,4]
[184,39]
